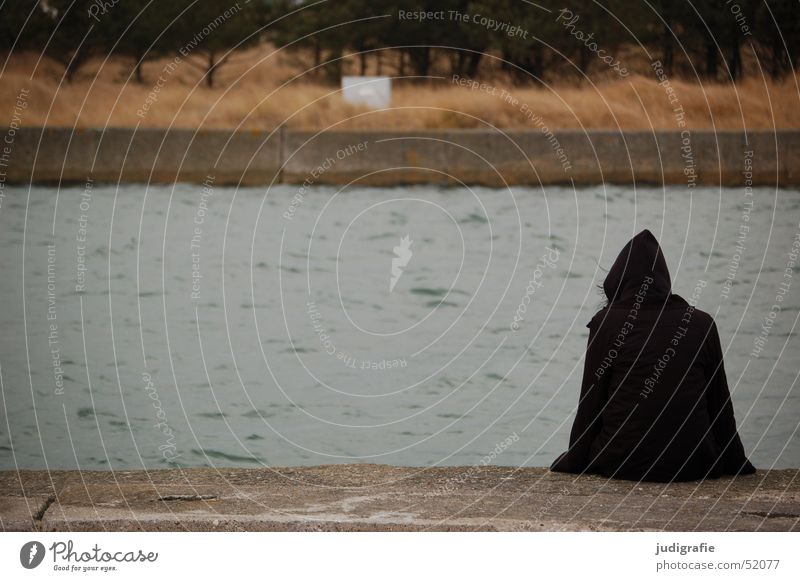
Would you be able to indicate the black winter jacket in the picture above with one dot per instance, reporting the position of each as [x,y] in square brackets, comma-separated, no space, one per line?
[654,402]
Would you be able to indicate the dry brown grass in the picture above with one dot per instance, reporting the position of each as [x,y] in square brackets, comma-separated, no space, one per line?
[251,95]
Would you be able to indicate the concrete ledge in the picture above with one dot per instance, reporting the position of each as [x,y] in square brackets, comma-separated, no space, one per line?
[384,498]
[120,155]
[469,156]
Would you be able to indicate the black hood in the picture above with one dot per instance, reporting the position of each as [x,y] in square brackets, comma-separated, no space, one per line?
[640,260]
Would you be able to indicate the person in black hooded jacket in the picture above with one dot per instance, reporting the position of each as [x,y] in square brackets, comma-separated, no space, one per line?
[654,402]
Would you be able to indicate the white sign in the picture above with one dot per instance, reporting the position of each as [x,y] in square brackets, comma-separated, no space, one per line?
[374,92]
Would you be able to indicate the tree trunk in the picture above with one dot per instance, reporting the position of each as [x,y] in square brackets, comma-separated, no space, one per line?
[777,57]
[79,58]
[735,61]
[538,63]
[317,52]
[212,68]
[532,65]
[69,71]
[712,61]
[506,60]
[317,58]
[138,71]
[667,51]
[583,62]
[333,69]
[421,60]
[473,61]
[363,62]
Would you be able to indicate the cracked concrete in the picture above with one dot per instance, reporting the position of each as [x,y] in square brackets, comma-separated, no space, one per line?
[368,497]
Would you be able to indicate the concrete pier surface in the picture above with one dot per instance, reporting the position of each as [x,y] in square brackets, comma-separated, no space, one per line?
[367,497]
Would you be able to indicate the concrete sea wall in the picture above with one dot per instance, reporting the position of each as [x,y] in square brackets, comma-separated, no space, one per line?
[369,497]
[483,157]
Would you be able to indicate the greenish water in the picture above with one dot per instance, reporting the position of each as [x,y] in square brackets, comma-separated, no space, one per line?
[149,327]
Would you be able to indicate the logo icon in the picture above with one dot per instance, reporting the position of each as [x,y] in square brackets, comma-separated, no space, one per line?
[402,254]
[31,554]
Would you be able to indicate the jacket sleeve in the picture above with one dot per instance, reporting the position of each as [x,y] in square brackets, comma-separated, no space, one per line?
[732,459]
[590,405]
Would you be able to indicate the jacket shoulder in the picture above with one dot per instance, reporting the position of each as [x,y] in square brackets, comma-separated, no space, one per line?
[598,318]
[703,317]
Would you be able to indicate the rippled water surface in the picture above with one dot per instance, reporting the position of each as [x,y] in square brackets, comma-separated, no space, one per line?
[240,327]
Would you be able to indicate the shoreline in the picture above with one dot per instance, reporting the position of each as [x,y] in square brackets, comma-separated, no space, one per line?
[371,497]
[494,158]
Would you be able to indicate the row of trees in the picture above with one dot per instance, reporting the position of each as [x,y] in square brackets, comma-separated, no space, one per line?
[75,31]
[703,37]
[712,38]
